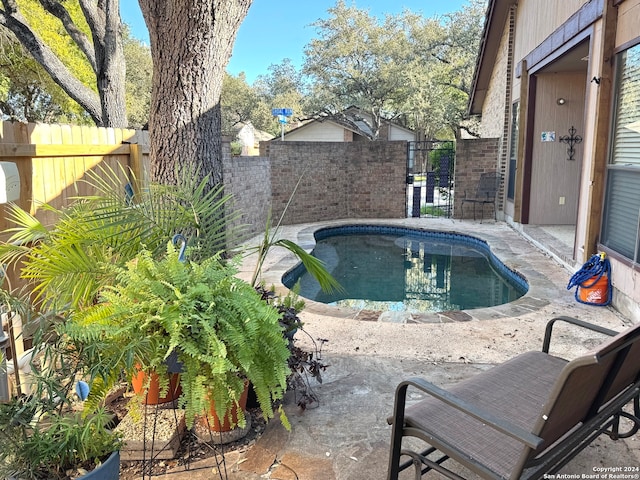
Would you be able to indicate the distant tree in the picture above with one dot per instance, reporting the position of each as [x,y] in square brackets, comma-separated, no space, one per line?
[239,102]
[137,81]
[406,67]
[282,87]
[93,28]
[446,49]
[358,61]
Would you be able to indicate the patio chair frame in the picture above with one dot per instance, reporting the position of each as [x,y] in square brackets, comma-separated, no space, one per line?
[485,194]
[564,405]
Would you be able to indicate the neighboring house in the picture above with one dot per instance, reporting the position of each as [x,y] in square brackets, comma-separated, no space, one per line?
[250,138]
[355,126]
[549,69]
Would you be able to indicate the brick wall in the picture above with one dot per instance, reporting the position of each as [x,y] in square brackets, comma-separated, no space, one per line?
[339,180]
[474,157]
[247,179]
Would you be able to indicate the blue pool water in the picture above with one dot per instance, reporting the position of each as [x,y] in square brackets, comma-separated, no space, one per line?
[404,269]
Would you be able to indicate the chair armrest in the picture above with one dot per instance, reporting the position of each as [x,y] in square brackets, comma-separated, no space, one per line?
[458,403]
[574,321]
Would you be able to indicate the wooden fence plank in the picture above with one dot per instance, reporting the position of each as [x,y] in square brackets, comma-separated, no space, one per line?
[62,150]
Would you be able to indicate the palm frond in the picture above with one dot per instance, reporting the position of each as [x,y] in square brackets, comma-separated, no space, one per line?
[314,266]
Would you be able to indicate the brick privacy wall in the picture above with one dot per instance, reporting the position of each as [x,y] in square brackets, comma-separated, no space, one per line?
[339,180]
[247,179]
[474,157]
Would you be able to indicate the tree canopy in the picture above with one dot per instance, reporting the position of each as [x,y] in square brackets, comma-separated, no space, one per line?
[29,94]
[358,61]
[403,66]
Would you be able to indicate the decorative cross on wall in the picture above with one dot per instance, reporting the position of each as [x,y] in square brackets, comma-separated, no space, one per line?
[571,140]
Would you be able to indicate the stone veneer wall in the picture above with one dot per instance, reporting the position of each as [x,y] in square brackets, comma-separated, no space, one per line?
[474,157]
[247,179]
[339,180]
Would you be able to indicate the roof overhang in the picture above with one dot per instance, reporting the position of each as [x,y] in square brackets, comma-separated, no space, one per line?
[494,22]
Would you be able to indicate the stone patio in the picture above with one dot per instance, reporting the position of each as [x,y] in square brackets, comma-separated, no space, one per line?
[346,437]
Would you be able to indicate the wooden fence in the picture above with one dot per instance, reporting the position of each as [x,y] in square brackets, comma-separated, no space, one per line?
[53,160]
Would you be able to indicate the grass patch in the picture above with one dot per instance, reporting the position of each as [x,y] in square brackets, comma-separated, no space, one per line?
[433,211]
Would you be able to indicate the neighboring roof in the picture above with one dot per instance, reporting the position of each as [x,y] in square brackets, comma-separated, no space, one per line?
[355,117]
[258,135]
[495,18]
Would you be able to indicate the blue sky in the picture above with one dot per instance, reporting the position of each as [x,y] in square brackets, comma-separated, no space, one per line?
[279,29]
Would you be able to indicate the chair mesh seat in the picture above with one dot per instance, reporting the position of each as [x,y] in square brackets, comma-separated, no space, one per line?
[498,391]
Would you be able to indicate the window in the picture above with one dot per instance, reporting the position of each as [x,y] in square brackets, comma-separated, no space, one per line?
[620,227]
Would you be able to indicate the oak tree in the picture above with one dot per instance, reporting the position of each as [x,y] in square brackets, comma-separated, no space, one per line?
[191,43]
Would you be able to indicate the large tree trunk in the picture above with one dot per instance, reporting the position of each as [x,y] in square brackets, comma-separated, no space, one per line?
[191,43]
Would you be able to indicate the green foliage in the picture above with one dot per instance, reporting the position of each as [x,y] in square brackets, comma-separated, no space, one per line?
[79,48]
[431,210]
[282,87]
[137,80]
[67,265]
[445,52]
[239,103]
[43,434]
[440,152]
[58,442]
[407,67]
[236,148]
[50,29]
[221,330]
[28,92]
[271,239]
[359,61]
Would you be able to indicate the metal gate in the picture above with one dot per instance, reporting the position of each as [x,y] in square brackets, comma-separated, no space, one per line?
[430,166]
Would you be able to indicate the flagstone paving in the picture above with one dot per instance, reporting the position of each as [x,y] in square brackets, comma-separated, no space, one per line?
[347,437]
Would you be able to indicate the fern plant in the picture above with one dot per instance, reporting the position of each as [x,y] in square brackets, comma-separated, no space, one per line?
[217,324]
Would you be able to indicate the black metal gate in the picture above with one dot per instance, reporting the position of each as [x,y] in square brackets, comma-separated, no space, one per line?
[430,166]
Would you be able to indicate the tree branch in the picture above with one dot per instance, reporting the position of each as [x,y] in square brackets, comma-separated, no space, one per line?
[12,19]
[57,10]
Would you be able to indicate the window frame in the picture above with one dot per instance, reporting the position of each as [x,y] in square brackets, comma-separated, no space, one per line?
[614,168]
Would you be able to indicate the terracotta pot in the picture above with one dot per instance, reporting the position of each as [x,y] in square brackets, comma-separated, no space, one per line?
[152,396]
[212,421]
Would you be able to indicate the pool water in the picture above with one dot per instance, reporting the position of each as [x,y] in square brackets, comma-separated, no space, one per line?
[409,271]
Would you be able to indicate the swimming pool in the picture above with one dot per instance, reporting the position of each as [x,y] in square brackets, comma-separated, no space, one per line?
[405,269]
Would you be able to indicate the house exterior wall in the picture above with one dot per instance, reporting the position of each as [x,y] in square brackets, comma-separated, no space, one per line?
[397,133]
[542,36]
[535,23]
[628,21]
[317,132]
[493,110]
[339,180]
[626,296]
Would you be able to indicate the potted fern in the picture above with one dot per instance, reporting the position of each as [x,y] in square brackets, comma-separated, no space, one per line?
[217,325]
[84,266]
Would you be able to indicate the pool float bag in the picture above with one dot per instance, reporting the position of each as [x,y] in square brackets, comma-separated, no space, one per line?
[593,281]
